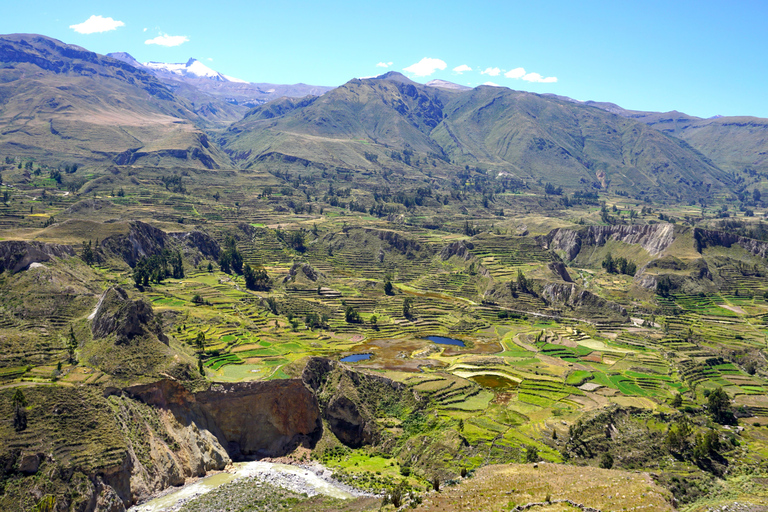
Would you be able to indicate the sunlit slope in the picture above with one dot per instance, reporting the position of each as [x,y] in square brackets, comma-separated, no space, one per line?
[61,102]
[366,124]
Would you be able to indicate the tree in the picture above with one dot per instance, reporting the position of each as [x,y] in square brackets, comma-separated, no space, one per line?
[677,401]
[250,277]
[71,345]
[408,307]
[200,340]
[608,264]
[523,284]
[719,406]
[87,253]
[606,460]
[19,402]
[531,454]
[351,315]
[374,320]
[388,290]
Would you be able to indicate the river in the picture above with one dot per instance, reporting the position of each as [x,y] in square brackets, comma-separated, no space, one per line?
[310,480]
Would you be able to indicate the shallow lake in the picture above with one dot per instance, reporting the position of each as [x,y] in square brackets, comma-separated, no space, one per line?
[442,340]
[355,358]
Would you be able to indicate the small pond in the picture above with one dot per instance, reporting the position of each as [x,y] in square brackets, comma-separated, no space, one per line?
[355,358]
[441,340]
[496,382]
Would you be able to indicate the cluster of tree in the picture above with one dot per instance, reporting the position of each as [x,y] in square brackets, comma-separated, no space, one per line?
[683,440]
[315,321]
[294,239]
[157,267]
[173,184]
[619,265]
[256,279]
[664,286]
[523,284]
[408,307]
[19,403]
[230,258]
[371,157]
[87,253]
[552,190]
[352,316]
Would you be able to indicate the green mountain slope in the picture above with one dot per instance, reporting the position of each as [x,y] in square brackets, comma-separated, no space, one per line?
[60,102]
[734,143]
[533,137]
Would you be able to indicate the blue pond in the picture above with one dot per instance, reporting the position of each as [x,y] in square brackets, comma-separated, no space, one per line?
[446,341]
[355,358]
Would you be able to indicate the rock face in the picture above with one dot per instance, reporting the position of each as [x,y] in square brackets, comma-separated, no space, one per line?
[707,238]
[574,297]
[654,238]
[349,399]
[17,256]
[459,249]
[117,313]
[141,240]
[145,240]
[250,419]
[306,269]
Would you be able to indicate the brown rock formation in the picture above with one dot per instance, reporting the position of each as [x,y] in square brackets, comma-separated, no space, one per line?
[250,419]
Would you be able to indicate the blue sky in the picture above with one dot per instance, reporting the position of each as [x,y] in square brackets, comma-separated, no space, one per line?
[704,58]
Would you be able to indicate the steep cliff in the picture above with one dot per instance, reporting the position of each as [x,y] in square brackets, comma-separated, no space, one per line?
[16,256]
[351,400]
[654,238]
[250,419]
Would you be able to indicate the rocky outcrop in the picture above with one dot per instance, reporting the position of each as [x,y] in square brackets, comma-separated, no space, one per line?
[572,296]
[117,314]
[654,238]
[144,240]
[707,238]
[349,399]
[303,268]
[16,256]
[250,419]
[202,242]
[558,268]
[459,248]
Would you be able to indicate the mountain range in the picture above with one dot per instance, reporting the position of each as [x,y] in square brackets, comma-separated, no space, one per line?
[60,102]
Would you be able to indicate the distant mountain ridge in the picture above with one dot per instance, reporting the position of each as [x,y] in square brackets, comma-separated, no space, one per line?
[735,143]
[239,93]
[535,138]
[63,103]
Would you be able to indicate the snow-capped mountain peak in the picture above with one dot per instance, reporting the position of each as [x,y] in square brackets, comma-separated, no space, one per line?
[192,69]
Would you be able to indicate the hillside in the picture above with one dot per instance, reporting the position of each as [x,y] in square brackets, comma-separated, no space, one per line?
[218,98]
[61,103]
[734,143]
[368,123]
[384,285]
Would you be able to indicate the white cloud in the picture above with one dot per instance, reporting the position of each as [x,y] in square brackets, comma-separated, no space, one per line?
[96,24]
[209,59]
[462,69]
[492,84]
[144,30]
[535,77]
[491,72]
[166,40]
[383,64]
[426,67]
[515,73]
